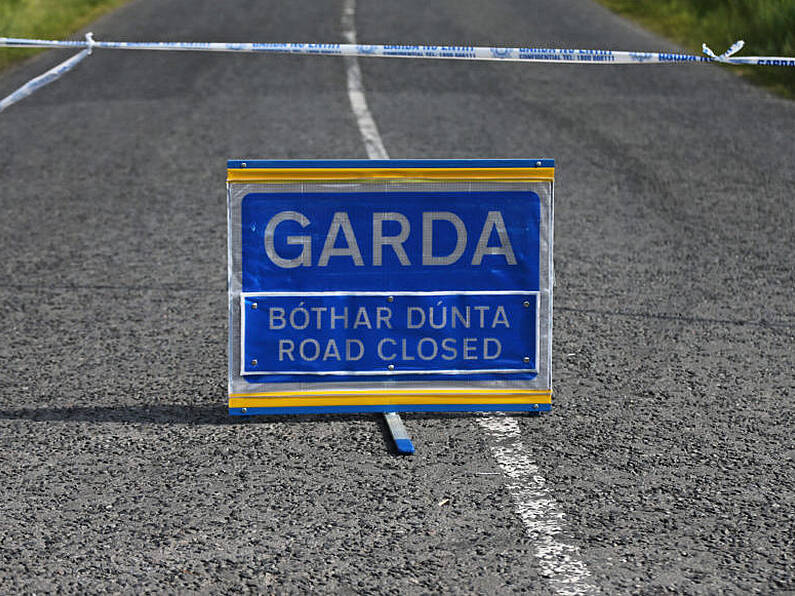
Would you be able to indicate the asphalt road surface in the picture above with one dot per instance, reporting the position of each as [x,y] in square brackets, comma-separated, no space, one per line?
[669,449]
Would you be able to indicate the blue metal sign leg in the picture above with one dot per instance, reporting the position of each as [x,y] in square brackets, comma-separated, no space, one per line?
[399,435]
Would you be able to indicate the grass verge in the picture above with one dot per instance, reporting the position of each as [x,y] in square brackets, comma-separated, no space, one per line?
[767,26]
[46,19]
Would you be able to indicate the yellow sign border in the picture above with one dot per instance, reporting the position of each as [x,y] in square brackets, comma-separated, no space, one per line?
[373,398]
[265,175]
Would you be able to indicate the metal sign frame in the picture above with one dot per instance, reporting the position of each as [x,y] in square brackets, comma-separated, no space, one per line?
[358,184]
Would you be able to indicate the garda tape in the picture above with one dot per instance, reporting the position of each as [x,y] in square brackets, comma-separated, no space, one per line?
[551,55]
[426,52]
[40,81]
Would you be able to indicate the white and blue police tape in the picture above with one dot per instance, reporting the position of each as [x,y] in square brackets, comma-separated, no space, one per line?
[724,57]
[552,55]
[498,54]
[40,81]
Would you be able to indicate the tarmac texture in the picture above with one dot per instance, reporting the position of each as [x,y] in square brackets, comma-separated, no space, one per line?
[667,447]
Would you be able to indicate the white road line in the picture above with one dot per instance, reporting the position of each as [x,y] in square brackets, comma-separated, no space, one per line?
[372,140]
[559,562]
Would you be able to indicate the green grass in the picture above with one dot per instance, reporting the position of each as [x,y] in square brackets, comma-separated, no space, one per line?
[767,26]
[46,19]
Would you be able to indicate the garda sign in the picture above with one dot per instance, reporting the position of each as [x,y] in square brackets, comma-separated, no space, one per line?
[389,285]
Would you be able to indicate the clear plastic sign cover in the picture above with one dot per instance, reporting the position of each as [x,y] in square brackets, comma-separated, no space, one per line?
[362,286]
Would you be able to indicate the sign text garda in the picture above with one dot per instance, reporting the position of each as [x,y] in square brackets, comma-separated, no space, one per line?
[341,228]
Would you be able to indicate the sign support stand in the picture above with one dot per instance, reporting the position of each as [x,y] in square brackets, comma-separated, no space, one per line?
[401,438]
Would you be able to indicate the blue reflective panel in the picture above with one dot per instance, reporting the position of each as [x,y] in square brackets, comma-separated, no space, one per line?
[403,336]
[391,163]
[330,241]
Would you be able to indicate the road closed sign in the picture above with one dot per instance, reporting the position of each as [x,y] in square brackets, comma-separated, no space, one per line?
[389,286]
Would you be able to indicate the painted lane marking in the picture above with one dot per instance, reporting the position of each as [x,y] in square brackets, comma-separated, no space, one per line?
[367,128]
[560,563]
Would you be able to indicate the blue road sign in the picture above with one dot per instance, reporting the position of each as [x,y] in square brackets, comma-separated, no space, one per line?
[433,289]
